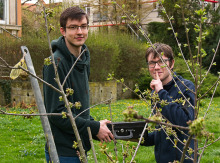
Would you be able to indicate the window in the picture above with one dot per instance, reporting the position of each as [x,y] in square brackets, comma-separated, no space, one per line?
[100,16]
[88,11]
[4,11]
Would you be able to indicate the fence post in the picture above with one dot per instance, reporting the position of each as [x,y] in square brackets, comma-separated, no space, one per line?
[40,105]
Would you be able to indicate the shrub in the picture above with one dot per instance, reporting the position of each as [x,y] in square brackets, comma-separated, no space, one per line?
[9,51]
[104,53]
[131,56]
[39,49]
[115,52]
[110,52]
[210,44]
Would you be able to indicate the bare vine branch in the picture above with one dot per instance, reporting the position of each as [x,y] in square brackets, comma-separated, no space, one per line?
[210,64]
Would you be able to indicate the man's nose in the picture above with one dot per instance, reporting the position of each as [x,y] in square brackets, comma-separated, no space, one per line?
[157,66]
[79,30]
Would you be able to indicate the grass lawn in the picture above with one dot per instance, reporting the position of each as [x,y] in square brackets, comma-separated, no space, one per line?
[22,140]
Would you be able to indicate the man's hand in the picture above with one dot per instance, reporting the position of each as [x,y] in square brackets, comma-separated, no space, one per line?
[156,84]
[104,133]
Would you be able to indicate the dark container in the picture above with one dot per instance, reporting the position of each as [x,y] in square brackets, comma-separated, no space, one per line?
[127,130]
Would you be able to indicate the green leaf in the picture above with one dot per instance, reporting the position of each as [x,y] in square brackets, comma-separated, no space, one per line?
[196,30]
[185,45]
[77,105]
[203,52]
[134,22]
[198,39]
[70,104]
[186,19]
[203,19]
[176,34]
[60,98]
[125,89]
[75,144]
[124,17]
[200,12]
[136,90]
[177,6]
[64,115]
[142,31]
[187,30]
[47,61]
[197,26]
[122,80]
[69,91]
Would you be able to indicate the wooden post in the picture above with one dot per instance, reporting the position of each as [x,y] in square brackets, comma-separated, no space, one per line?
[41,107]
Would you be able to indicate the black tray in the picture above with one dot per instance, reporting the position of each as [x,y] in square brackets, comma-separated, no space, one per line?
[127,130]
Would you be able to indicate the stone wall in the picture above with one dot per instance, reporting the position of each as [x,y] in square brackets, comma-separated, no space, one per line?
[100,91]
[21,91]
[2,98]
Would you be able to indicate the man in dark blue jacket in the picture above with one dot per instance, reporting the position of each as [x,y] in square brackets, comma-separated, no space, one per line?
[168,89]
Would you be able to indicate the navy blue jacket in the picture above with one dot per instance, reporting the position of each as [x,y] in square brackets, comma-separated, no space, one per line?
[177,114]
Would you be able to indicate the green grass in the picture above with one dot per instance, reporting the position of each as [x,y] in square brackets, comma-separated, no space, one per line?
[22,140]
[212,153]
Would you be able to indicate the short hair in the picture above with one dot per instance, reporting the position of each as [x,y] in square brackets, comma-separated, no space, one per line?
[159,48]
[73,13]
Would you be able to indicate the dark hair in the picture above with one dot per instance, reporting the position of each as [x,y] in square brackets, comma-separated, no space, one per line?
[160,47]
[73,13]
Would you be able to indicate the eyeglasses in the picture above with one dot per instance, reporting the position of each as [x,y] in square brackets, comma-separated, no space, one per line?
[76,27]
[152,64]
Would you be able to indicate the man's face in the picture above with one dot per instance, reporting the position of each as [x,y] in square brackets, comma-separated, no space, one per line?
[75,36]
[162,71]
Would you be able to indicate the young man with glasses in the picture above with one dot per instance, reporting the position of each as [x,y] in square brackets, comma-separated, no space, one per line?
[160,61]
[74,28]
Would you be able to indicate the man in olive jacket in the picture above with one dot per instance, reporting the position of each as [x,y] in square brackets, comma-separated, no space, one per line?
[74,28]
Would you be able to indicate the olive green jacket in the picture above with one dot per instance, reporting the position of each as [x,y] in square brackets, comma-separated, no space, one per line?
[78,80]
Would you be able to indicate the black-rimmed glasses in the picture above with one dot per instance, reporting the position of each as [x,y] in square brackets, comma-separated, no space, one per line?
[152,64]
[76,27]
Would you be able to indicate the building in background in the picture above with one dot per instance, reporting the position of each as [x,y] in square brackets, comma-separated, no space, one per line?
[10,17]
[105,13]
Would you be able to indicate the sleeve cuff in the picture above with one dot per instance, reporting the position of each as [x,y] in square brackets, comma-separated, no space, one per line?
[162,93]
[94,126]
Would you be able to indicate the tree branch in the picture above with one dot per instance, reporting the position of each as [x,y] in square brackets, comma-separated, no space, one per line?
[216,83]
[210,63]
[162,123]
[185,148]
[28,115]
[72,67]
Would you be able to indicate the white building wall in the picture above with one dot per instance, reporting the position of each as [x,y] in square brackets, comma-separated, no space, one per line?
[149,11]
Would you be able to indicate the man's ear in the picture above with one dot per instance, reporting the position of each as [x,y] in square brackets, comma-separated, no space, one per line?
[172,64]
[63,31]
